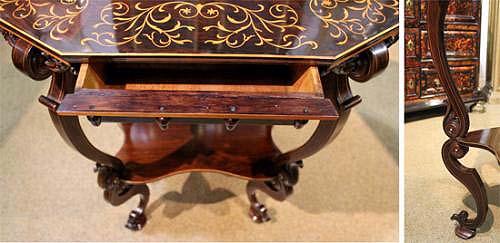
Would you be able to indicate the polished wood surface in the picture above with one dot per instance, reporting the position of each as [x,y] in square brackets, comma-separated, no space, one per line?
[140,103]
[456,126]
[303,29]
[150,154]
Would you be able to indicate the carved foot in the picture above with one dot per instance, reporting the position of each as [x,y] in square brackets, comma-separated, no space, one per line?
[116,192]
[278,188]
[451,152]
[136,220]
[258,213]
[462,230]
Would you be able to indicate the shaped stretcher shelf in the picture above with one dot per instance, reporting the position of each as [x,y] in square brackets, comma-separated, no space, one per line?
[150,154]
[236,92]
[488,139]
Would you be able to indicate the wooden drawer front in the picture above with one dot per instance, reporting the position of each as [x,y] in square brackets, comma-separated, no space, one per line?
[412,77]
[411,13]
[464,11]
[459,44]
[135,90]
[465,79]
[412,47]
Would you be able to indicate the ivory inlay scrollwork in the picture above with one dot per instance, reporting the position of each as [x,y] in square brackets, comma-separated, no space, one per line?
[251,25]
[59,23]
[155,23]
[340,25]
[23,8]
[237,27]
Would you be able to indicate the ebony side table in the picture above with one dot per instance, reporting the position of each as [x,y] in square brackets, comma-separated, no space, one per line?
[198,85]
[456,126]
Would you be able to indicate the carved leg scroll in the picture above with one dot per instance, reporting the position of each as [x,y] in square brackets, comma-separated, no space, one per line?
[279,188]
[456,125]
[466,228]
[116,192]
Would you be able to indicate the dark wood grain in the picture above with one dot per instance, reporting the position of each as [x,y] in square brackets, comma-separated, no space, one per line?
[29,60]
[194,105]
[150,154]
[303,29]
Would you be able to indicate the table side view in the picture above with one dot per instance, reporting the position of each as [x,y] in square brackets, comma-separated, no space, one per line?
[456,126]
[197,86]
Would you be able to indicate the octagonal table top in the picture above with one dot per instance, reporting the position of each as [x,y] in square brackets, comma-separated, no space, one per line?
[321,30]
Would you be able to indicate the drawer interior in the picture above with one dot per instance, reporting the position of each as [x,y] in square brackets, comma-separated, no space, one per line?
[261,92]
[290,80]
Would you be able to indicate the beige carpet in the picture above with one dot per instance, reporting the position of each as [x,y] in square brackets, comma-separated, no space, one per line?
[347,192]
[432,194]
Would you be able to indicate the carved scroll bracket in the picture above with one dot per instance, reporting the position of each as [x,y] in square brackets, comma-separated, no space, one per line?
[366,65]
[37,64]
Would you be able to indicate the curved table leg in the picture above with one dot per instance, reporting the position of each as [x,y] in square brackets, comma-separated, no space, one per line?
[456,125]
[338,90]
[451,152]
[110,169]
[70,130]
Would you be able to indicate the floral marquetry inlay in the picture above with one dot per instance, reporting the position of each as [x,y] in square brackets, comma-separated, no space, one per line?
[316,27]
[162,24]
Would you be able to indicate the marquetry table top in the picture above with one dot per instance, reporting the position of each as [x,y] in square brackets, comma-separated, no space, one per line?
[305,29]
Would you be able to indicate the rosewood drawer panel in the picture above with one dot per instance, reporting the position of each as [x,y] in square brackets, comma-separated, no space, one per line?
[464,76]
[412,87]
[149,90]
[459,44]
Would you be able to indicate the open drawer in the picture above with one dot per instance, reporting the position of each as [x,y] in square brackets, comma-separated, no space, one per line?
[275,92]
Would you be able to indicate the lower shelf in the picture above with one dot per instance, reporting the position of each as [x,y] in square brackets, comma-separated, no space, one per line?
[488,139]
[150,154]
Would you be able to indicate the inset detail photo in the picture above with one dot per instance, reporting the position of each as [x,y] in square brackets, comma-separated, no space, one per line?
[452,115]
